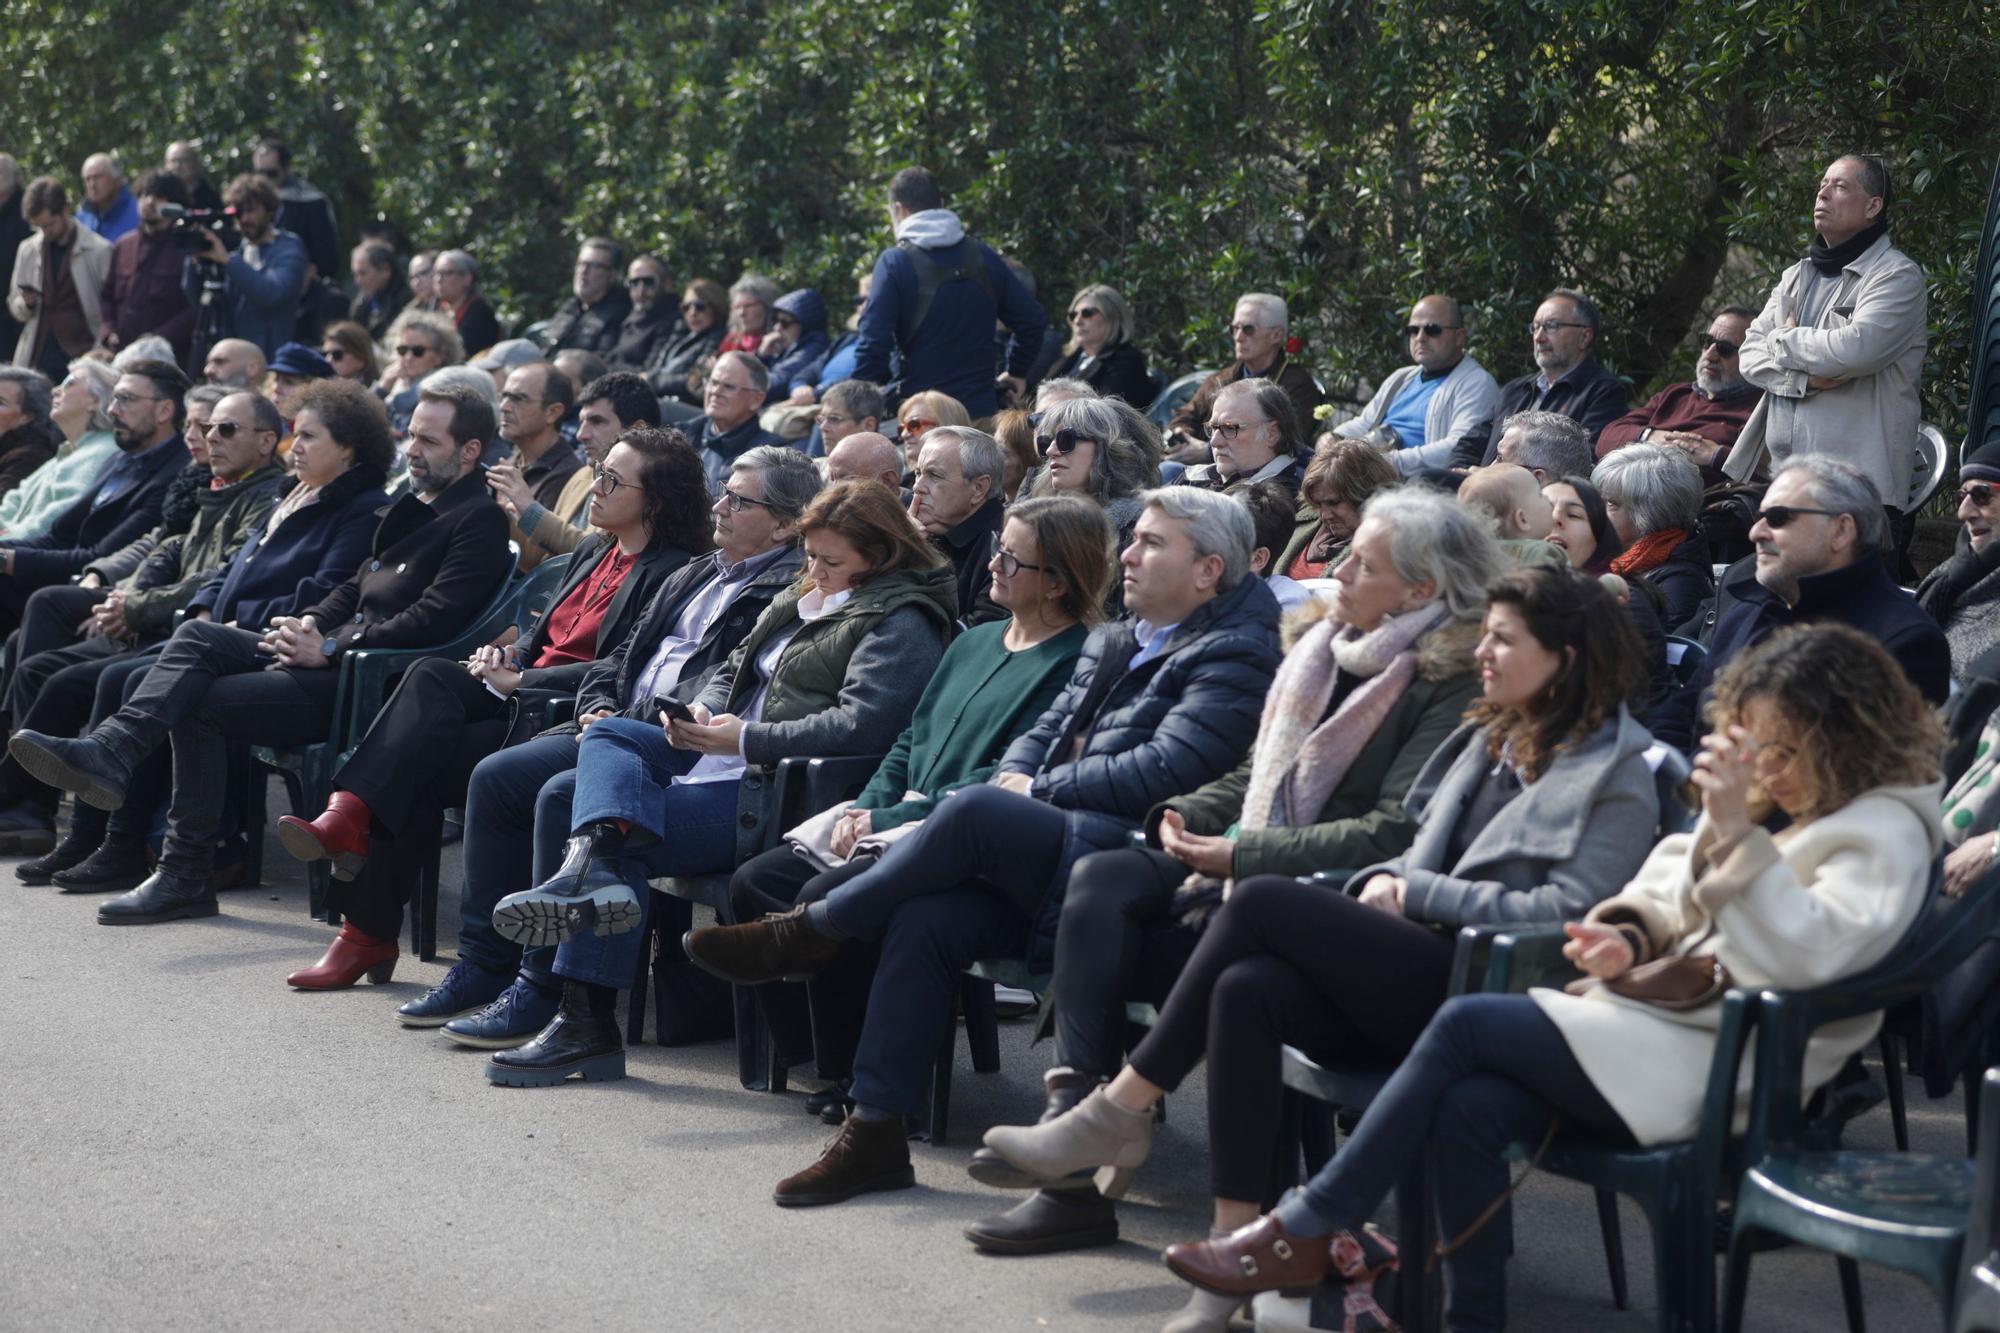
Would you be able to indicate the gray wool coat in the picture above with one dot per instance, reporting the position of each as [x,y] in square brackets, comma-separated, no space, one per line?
[1573,837]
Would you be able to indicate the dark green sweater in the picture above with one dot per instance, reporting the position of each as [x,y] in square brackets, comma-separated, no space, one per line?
[980,699]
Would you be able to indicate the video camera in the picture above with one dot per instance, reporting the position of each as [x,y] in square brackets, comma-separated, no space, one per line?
[190,223]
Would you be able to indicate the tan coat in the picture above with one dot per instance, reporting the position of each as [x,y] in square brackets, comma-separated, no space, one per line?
[1820,901]
[90,264]
[1872,333]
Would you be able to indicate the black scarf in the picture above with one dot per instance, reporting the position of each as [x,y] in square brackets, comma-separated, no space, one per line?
[1831,259]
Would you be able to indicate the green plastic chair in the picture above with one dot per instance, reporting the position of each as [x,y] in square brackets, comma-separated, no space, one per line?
[1906,1211]
[1979,1289]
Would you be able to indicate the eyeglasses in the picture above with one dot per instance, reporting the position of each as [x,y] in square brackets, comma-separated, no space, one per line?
[1063,441]
[1428,330]
[1778,516]
[1231,430]
[604,479]
[1243,330]
[127,399]
[915,425]
[642,282]
[693,307]
[723,386]
[1551,325]
[413,350]
[1010,564]
[591,263]
[1084,312]
[737,499]
[1721,345]
[1979,495]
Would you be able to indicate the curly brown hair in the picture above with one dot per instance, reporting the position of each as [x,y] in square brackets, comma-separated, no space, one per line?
[1571,615]
[873,521]
[1862,723]
[353,416]
[676,492]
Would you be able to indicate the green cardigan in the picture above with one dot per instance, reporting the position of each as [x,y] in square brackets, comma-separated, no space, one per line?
[981,698]
[1363,821]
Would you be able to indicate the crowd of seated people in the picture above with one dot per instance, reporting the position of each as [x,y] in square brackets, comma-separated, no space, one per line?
[1208,715]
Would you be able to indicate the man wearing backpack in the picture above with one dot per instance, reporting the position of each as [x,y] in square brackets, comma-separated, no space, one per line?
[934,298]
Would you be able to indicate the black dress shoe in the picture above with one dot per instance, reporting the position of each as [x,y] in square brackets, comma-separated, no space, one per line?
[582,1039]
[86,767]
[117,865]
[162,897]
[830,1103]
[73,850]
[1048,1222]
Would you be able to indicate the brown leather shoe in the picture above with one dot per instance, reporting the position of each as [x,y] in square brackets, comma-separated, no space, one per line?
[781,947]
[865,1156]
[1253,1258]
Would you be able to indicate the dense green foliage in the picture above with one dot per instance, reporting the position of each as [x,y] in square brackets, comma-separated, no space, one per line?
[1348,154]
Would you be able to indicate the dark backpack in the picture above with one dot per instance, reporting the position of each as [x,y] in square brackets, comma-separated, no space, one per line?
[932,275]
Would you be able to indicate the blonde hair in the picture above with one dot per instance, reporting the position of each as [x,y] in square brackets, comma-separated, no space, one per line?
[1117,315]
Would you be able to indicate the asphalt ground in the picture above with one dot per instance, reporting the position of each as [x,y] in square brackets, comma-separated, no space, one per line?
[188,1144]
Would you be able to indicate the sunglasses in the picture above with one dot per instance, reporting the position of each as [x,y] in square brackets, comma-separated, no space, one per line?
[224,430]
[1083,312]
[411,349]
[1721,345]
[916,425]
[782,319]
[642,282]
[1428,330]
[1778,516]
[1979,495]
[1063,441]
[694,306]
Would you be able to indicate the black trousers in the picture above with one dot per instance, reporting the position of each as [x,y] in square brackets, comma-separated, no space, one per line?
[825,1014]
[1289,962]
[413,765]
[210,688]
[54,692]
[48,622]
[1116,943]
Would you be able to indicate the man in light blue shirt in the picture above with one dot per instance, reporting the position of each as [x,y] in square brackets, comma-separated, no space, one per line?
[1422,410]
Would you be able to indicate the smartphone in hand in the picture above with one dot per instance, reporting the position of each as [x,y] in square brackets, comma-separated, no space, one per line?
[674,709]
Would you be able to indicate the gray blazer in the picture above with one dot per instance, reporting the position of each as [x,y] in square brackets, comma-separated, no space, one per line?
[1574,836]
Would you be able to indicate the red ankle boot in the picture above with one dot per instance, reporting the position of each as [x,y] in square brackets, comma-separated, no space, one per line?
[349,956]
[341,833]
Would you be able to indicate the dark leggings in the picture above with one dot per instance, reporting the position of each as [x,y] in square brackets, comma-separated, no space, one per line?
[1117,942]
[1289,962]
[1489,1071]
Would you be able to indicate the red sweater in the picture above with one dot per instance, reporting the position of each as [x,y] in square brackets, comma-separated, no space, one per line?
[1679,407]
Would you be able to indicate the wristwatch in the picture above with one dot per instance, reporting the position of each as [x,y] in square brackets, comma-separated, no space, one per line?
[329,646]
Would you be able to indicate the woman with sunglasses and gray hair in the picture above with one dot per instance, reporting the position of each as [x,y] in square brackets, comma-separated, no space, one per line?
[1100,351]
[1102,449]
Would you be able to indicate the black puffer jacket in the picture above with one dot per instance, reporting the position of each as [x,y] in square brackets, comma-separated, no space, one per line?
[1141,736]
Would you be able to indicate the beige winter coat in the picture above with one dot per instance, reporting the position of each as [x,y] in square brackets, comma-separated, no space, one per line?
[90,263]
[1872,333]
[1815,903]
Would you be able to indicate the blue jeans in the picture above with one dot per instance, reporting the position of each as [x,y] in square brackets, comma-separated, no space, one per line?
[1490,1070]
[512,842]
[625,770]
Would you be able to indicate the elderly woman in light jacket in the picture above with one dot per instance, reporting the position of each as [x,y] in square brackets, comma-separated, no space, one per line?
[1817,723]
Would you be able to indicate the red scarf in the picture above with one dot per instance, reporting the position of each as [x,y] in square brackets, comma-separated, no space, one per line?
[1649,552]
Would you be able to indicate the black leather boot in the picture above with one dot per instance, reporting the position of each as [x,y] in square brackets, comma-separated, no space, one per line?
[85,766]
[1066,1087]
[118,864]
[78,842]
[162,897]
[1047,1222]
[586,895]
[582,1039]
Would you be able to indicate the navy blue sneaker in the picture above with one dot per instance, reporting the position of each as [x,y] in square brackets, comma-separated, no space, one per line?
[465,990]
[522,1010]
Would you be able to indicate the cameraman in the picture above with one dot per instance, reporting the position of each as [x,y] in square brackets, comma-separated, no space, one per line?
[262,280]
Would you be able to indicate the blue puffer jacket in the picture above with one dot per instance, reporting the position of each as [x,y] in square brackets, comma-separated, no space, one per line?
[1180,720]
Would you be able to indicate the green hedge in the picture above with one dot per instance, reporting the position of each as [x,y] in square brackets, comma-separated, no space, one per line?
[1346,155]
